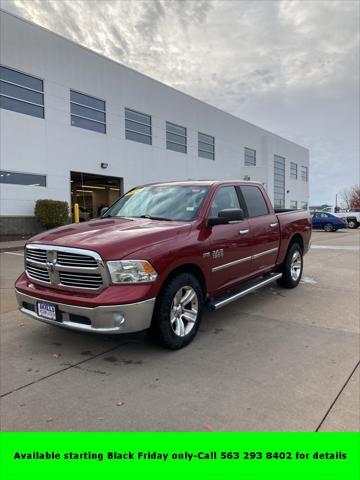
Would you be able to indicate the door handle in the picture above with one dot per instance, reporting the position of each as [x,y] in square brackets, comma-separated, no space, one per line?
[273,225]
[244,232]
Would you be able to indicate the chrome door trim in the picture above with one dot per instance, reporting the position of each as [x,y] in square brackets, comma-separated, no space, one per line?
[230,264]
[244,259]
[265,252]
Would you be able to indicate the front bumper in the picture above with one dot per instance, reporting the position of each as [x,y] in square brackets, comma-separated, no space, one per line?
[110,319]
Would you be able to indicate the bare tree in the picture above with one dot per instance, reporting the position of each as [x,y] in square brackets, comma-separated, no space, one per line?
[350,197]
[345,195]
[355,197]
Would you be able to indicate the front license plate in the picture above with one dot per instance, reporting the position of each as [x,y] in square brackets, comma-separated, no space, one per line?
[47,311]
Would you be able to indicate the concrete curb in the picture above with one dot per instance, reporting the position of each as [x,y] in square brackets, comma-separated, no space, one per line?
[10,249]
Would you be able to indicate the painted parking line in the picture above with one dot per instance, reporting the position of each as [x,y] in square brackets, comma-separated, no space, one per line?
[349,248]
[308,280]
[13,253]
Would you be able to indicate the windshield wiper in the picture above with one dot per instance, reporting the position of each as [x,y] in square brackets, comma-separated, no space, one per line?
[151,217]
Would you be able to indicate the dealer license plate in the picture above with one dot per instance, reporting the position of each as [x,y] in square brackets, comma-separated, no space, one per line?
[47,311]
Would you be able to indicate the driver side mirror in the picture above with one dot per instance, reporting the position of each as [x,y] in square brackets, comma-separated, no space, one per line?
[103,211]
[228,215]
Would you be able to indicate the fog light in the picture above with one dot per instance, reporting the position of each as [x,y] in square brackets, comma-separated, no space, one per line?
[118,319]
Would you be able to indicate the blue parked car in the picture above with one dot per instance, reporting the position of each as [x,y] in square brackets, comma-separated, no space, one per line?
[326,221]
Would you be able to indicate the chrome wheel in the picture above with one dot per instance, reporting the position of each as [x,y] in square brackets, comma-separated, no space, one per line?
[184,311]
[296,264]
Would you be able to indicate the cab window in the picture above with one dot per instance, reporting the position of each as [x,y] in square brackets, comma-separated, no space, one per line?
[225,197]
[255,202]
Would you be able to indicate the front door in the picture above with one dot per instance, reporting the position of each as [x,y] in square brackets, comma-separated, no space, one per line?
[229,245]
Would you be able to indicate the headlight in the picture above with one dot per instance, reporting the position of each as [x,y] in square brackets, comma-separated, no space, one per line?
[131,271]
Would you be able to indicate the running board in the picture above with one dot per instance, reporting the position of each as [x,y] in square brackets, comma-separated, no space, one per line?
[249,287]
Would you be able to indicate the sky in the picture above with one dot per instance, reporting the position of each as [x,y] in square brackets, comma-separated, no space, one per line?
[289,66]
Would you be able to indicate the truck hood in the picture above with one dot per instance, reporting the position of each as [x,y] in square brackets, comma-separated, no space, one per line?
[113,238]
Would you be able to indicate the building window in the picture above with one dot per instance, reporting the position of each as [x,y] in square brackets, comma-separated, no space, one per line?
[176,138]
[250,157]
[279,181]
[16,178]
[304,173]
[21,93]
[138,127]
[206,146]
[293,170]
[304,205]
[87,112]
[293,204]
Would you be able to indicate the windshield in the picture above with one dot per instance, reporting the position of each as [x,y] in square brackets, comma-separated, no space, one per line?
[160,203]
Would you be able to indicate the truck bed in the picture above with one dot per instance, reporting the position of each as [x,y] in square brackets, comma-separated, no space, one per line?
[293,221]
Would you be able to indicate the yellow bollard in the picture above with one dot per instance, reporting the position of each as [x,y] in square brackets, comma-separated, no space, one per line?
[76,213]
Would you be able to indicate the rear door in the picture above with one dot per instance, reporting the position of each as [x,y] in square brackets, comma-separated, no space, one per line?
[228,255]
[264,229]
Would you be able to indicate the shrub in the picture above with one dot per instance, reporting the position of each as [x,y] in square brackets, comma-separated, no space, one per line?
[51,213]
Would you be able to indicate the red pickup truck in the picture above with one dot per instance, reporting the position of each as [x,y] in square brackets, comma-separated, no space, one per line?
[159,255]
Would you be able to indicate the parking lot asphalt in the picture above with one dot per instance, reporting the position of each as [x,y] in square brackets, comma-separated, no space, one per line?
[276,360]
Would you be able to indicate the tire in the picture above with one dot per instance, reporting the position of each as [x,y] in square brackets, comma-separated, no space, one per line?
[352,223]
[171,325]
[292,267]
[328,227]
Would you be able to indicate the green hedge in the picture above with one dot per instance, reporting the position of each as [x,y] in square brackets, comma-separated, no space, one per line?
[51,213]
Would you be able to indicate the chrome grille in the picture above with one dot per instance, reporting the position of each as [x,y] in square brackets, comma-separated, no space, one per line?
[83,280]
[74,259]
[64,267]
[37,273]
[36,254]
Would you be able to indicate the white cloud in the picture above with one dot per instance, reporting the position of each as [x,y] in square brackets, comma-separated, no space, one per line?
[289,66]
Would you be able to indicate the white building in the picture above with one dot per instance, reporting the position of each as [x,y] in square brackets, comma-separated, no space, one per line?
[77,126]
